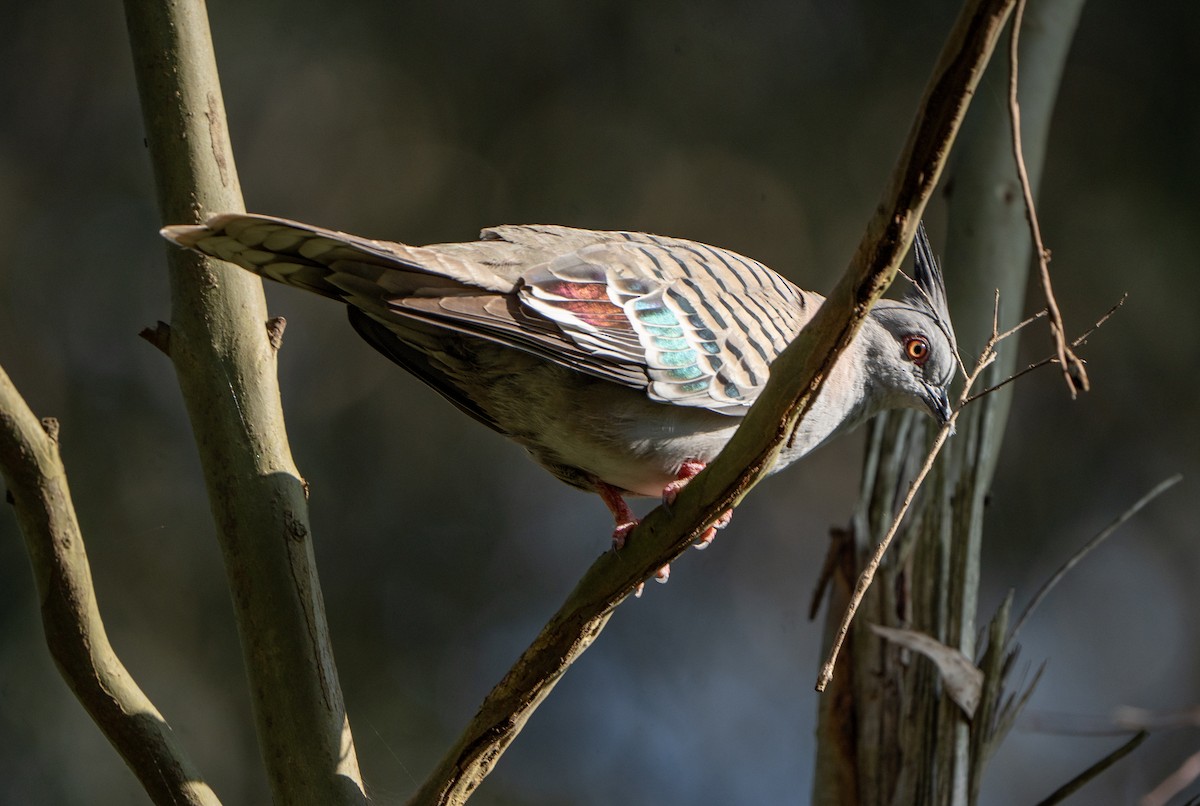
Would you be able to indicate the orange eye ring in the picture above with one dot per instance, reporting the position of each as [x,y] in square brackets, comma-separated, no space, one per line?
[916,349]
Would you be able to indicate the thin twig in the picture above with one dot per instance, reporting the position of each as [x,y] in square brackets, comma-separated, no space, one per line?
[1088,547]
[1022,324]
[1073,368]
[1077,783]
[1057,723]
[1122,720]
[1141,719]
[1048,359]
[868,573]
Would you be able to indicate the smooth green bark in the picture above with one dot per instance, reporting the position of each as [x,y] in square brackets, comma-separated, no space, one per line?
[225,365]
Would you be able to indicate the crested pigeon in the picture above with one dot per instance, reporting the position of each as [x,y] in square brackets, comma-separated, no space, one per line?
[621,361]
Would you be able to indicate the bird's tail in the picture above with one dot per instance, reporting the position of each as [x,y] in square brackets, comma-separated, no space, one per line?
[333,264]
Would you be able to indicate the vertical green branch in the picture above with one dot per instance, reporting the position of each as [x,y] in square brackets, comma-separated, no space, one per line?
[225,364]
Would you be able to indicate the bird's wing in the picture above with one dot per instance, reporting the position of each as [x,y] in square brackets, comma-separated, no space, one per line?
[690,324]
[704,323]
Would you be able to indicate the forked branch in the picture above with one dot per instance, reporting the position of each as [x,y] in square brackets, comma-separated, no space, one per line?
[1050,359]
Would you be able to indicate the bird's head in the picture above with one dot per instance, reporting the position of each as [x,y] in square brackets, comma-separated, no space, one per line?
[918,361]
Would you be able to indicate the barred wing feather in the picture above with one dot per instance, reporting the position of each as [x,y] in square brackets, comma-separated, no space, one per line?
[705,323]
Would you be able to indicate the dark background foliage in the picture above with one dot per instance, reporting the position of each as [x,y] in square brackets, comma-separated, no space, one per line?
[766,127]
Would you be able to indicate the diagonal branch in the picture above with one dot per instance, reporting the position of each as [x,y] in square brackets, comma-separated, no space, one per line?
[796,378]
[37,488]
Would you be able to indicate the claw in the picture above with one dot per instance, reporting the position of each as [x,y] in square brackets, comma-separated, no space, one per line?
[661,576]
[621,533]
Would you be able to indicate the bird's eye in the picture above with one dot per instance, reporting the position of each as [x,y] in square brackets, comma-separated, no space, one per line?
[916,349]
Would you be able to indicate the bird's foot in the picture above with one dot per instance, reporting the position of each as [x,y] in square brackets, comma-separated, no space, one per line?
[621,533]
[688,471]
[706,538]
[626,523]
[661,576]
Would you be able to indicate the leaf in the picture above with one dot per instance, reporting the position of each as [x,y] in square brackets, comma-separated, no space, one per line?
[962,679]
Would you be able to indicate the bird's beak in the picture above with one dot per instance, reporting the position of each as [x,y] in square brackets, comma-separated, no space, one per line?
[938,402]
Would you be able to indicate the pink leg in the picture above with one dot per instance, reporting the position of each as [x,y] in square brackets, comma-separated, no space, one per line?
[626,522]
[621,512]
[623,515]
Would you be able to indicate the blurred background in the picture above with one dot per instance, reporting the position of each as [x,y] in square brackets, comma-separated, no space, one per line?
[766,127]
